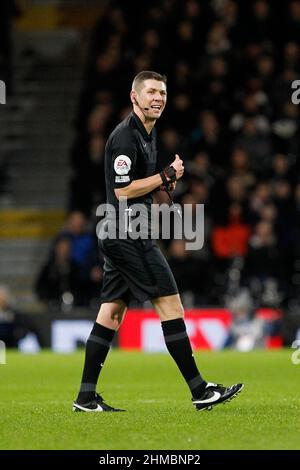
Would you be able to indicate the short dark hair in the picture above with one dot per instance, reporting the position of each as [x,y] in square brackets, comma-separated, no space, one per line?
[146,75]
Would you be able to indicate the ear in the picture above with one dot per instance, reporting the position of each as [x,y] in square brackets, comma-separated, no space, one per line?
[133,97]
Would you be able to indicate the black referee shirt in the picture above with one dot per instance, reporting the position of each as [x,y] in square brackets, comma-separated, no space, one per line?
[130,154]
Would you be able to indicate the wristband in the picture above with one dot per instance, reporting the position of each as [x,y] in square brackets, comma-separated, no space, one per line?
[168,175]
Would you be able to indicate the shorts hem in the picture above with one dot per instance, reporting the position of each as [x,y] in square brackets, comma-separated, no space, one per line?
[141,300]
[164,295]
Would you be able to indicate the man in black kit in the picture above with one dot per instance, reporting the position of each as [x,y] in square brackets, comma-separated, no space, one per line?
[136,268]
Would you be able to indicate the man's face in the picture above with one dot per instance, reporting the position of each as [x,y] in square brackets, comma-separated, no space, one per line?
[152,95]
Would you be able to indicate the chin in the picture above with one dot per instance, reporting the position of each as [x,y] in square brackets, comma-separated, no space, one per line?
[156,116]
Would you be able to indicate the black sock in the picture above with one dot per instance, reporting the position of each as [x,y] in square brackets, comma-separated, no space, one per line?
[179,346]
[97,348]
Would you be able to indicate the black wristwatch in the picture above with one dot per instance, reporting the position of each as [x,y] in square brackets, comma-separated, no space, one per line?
[168,175]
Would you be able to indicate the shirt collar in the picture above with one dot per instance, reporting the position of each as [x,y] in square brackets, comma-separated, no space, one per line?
[141,127]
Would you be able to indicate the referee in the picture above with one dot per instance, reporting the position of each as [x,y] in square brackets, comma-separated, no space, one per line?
[136,268]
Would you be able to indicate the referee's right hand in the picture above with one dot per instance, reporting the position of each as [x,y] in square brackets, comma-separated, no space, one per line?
[178,165]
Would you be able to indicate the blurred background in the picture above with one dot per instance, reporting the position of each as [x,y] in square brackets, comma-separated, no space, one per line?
[68,68]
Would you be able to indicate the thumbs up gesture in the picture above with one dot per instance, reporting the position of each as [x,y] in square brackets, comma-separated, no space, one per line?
[178,165]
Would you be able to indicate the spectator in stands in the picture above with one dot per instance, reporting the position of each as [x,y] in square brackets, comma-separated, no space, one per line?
[261,25]
[239,166]
[282,197]
[280,92]
[296,215]
[207,136]
[265,268]
[190,201]
[184,40]
[291,56]
[201,168]
[217,39]
[58,280]
[250,108]
[269,213]
[217,87]
[294,290]
[286,129]
[193,276]
[293,25]
[259,198]
[84,253]
[281,168]
[246,332]
[10,331]
[257,144]
[83,241]
[228,190]
[182,81]
[169,144]
[180,115]
[73,270]
[231,239]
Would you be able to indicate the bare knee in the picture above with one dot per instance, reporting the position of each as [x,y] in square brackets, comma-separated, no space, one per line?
[168,307]
[111,314]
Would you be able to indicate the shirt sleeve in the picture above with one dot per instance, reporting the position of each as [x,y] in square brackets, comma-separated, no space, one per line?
[124,153]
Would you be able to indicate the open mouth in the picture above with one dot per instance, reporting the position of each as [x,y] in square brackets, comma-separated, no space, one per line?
[156,106]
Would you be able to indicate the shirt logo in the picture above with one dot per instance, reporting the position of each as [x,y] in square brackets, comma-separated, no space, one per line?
[122,179]
[122,165]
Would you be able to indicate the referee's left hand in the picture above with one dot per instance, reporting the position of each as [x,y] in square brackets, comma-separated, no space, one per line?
[178,165]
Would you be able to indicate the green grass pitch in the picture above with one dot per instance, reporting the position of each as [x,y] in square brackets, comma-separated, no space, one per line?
[36,394]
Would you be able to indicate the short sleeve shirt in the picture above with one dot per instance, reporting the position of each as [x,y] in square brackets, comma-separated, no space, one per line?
[130,154]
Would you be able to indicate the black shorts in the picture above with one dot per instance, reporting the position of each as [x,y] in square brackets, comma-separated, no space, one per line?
[135,269]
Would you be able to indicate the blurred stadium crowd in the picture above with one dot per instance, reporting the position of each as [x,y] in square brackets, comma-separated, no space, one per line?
[230,65]
[229,115]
